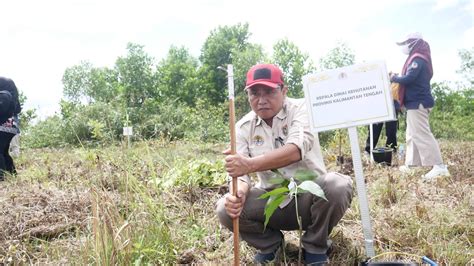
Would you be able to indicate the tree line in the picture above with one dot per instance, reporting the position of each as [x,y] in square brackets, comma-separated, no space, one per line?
[182,96]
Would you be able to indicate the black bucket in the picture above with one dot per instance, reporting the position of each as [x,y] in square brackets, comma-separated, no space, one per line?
[382,155]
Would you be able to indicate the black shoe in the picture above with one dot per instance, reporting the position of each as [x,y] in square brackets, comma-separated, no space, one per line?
[263,258]
[315,258]
[318,259]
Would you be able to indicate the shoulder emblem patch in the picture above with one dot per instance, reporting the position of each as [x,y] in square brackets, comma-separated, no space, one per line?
[414,65]
[285,130]
[258,140]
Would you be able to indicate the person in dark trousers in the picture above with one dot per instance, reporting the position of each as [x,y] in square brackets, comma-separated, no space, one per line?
[390,126]
[276,135]
[9,107]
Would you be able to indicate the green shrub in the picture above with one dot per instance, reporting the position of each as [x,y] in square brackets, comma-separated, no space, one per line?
[78,124]
[174,120]
[208,123]
[47,133]
[453,112]
[194,173]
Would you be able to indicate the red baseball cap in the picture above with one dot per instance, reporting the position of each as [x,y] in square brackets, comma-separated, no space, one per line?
[264,74]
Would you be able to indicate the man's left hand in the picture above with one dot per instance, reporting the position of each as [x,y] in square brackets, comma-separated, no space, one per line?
[236,164]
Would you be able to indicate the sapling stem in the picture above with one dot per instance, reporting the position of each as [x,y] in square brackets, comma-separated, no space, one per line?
[300,229]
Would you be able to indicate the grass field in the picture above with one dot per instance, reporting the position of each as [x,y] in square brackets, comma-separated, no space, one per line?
[154,203]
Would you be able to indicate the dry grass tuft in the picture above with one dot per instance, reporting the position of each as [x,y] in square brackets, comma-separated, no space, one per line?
[33,213]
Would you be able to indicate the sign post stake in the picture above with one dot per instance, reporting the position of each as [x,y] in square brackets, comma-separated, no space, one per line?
[371,132]
[361,193]
[128,131]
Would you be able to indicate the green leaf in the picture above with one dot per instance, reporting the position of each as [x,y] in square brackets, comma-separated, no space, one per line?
[272,204]
[304,175]
[274,192]
[313,188]
[277,172]
[276,180]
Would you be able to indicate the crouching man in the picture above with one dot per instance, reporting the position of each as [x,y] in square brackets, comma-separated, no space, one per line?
[276,135]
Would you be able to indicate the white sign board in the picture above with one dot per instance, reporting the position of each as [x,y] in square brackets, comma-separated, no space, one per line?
[127,131]
[349,96]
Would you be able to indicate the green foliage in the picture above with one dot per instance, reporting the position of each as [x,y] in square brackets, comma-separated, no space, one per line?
[339,56]
[26,116]
[85,83]
[77,124]
[47,133]
[273,202]
[136,76]
[177,76]
[80,125]
[313,188]
[208,123]
[194,173]
[97,129]
[76,81]
[242,62]
[467,64]
[339,139]
[294,64]
[104,85]
[22,98]
[169,120]
[183,97]
[103,122]
[452,113]
[289,188]
[154,242]
[174,120]
[219,50]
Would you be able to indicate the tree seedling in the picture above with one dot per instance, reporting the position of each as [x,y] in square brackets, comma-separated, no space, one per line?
[302,182]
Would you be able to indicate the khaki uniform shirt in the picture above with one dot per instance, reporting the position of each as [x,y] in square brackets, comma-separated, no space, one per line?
[290,125]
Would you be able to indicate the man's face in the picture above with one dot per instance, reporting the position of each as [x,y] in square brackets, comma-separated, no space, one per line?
[266,102]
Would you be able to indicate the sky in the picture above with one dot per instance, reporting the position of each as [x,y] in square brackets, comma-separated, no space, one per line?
[40,39]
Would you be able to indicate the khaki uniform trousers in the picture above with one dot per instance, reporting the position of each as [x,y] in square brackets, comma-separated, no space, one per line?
[422,147]
[318,216]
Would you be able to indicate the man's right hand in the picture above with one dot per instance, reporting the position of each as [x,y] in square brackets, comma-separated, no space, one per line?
[236,164]
[234,204]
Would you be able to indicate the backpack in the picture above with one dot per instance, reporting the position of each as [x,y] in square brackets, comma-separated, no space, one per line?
[7,85]
[7,107]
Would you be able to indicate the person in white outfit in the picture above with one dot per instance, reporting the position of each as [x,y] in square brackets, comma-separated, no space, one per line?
[415,95]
